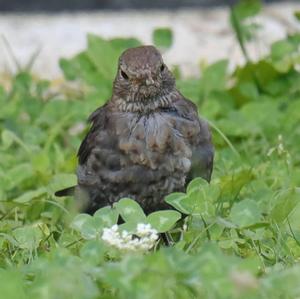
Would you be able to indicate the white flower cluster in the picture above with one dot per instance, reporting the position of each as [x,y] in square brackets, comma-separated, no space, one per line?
[143,239]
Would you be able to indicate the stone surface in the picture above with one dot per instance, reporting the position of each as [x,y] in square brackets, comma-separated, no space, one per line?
[200,35]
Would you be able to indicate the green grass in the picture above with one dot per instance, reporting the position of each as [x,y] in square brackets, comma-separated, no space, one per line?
[241,238]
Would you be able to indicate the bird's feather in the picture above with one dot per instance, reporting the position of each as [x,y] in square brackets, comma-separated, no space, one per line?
[146,142]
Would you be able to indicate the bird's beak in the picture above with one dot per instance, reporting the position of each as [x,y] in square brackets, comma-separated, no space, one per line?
[149,81]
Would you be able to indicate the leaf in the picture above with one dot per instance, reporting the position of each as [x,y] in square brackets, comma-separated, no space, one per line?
[8,138]
[91,228]
[41,162]
[254,115]
[196,184]
[282,48]
[245,213]
[109,216]
[249,90]
[225,223]
[9,238]
[30,195]
[190,88]
[121,44]
[79,221]
[78,67]
[247,8]
[129,226]
[103,56]
[67,66]
[176,200]
[282,54]
[163,221]
[12,284]
[214,77]
[61,181]
[17,175]
[198,200]
[28,237]
[244,32]
[285,204]
[93,252]
[232,184]
[201,197]
[130,210]
[98,63]
[284,65]
[162,37]
[201,201]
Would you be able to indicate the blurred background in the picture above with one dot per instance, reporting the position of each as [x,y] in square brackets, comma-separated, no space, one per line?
[49,30]
[73,5]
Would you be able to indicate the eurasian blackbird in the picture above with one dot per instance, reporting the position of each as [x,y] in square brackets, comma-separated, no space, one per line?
[145,142]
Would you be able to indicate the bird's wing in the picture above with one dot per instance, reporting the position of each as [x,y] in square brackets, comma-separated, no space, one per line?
[202,155]
[98,120]
[201,144]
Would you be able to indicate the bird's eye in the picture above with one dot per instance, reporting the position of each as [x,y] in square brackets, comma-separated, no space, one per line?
[124,75]
[162,67]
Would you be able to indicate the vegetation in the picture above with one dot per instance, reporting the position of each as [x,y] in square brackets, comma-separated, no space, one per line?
[241,236]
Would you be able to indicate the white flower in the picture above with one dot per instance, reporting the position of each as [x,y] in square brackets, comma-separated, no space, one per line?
[144,229]
[153,237]
[115,227]
[142,239]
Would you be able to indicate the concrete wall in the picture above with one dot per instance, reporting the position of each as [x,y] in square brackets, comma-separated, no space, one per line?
[199,35]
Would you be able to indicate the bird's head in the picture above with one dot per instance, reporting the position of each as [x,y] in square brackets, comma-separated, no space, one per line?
[142,75]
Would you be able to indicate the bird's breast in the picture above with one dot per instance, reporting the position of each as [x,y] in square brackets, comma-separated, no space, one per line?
[143,157]
[158,141]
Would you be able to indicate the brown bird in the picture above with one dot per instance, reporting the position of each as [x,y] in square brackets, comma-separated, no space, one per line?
[145,142]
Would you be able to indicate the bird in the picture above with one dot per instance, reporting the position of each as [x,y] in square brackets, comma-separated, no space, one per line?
[145,142]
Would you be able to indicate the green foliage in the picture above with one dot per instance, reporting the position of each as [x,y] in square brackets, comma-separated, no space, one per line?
[240,14]
[162,38]
[297,15]
[237,237]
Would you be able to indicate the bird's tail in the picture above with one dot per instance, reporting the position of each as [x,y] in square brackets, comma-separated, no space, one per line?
[65,192]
